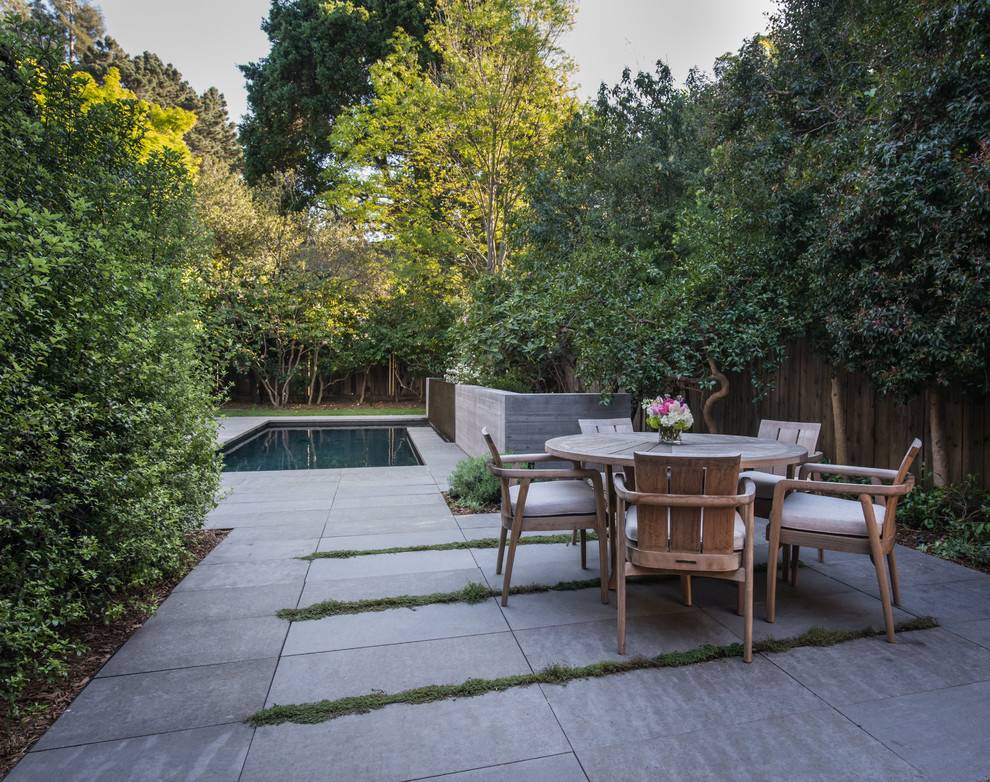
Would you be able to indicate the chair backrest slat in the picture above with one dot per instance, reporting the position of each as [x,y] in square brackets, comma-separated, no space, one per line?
[595,425]
[689,530]
[801,433]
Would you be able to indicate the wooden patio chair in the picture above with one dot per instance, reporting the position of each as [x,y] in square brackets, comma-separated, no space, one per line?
[547,499]
[804,434]
[806,514]
[594,426]
[687,518]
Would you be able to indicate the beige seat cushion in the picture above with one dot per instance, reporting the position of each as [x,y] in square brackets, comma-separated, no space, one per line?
[739,530]
[765,482]
[815,513]
[556,498]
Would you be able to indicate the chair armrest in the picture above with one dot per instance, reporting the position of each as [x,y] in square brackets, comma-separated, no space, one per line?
[857,489]
[847,470]
[686,500]
[552,474]
[814,458]
[515,458]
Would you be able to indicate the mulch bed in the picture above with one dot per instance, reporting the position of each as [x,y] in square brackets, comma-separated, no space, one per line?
[101,641]
[460,510]
[913,538]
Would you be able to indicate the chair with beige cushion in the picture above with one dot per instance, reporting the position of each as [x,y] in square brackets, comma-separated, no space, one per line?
[687,517]
[603,425]
[860,520]
[766,478]
[546,499]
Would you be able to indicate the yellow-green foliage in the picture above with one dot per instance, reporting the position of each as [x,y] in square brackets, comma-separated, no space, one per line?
[157,129]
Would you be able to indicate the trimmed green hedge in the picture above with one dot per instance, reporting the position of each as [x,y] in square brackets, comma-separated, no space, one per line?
[108,440]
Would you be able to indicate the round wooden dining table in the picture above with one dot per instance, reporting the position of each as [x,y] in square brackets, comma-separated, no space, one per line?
[616,449]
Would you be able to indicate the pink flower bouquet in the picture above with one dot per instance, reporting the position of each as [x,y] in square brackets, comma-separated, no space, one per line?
[668,415]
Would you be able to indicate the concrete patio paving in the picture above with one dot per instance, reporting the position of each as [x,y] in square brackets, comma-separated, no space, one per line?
[172,703]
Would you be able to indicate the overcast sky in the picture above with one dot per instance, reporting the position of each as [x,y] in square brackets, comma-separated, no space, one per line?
[207,39]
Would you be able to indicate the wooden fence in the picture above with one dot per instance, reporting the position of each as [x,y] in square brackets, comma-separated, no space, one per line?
[879,428]
[441,408]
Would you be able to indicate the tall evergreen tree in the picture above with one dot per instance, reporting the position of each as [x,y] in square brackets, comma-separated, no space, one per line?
[318,67]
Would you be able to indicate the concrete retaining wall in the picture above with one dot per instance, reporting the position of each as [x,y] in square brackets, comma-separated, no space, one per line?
[520,423]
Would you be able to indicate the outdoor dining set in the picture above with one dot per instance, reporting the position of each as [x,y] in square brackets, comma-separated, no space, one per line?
[688,509]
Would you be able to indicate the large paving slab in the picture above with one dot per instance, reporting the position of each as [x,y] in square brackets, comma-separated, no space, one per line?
[411,742]
[814,745]
[390,540]
[918,662]
[246,516]
[166,642]
[245,574]
[230,603]
[373,588]
[976,631]
[120,707]
[586,643]
[394,626]
[330,675]
[390,564]
[555,768]
[547,564]
[236,548]
[943,733]
[643,705]
[215,753]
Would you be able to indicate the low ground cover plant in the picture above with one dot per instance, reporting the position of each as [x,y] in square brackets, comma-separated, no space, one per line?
[472,485]
[956,516]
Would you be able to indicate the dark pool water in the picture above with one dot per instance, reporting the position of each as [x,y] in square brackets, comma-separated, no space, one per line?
[323,448]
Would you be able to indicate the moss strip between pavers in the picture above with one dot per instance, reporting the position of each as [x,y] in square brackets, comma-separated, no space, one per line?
[472,593]
[453,546]
[323,711]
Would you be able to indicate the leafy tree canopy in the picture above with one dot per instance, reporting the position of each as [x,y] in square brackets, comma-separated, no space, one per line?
[436,159]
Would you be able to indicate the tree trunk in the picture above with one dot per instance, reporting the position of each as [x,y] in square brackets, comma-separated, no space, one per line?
[717,396]
[940,457]
[839,423]
[364,385]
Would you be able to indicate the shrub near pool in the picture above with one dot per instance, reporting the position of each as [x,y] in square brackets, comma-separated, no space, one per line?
[473,486]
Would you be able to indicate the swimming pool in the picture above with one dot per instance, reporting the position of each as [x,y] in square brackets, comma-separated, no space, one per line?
[320,448]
